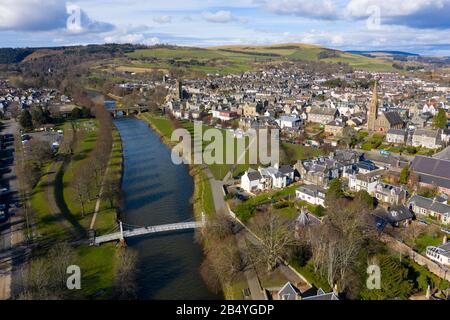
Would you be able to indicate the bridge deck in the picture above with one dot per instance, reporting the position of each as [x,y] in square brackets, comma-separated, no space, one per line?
[147,230]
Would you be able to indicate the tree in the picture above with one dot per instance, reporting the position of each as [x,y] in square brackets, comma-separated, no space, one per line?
[338,241]
[125,286]
[25,120]
[111,191]
[39,151]
[44,278]
[334,192]
[222,256]
[81,184]
[349,137]
[404,175]
[394,283]
[76,113]
[365,198]
[14,109]
[440,119]
[276,240]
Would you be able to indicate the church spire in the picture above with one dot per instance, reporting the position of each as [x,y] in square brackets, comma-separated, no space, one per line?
[373,109]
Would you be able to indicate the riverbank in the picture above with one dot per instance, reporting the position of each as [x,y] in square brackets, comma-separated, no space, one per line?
[58,213]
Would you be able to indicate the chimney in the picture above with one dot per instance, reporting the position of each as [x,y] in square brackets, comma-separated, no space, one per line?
[444,240]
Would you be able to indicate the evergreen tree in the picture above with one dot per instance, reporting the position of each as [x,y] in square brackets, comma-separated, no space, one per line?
[394,281]
[26,121]
[440,120]
[404,175]
[334,192]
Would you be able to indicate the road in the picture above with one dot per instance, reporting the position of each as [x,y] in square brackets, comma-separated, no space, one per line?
[11,229]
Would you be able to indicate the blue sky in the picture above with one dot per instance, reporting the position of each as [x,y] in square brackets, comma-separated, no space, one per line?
[420,26]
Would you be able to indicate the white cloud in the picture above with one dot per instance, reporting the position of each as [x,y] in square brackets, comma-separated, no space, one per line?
[32,15]
[421,14]
[130,36]
[316,9]
[163,19]
[39,15]
[219,16]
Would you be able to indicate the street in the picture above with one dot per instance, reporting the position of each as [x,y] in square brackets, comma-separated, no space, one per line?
[10,228]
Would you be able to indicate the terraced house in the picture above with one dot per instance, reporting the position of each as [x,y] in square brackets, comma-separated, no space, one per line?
[436,208]
[432,173]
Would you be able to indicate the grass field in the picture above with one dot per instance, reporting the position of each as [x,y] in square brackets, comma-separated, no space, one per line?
[97,263]
[47,225]
[82,151]
[237,59]
[294,152]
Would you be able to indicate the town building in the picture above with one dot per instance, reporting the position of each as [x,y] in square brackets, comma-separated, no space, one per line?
[440,254]
[432,173]
[386,120]
[312,194]
[390,194]
[397,136]
[427,138]
[322,115]
[426,207]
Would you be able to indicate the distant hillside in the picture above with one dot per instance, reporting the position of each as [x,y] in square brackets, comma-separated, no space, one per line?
[228,59]
[223,59]
[22,55]
[10,55]
[381,52]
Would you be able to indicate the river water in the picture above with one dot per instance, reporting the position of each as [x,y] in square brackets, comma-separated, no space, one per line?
[158,192]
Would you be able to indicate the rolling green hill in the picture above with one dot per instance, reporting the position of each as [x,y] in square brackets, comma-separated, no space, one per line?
[229,59]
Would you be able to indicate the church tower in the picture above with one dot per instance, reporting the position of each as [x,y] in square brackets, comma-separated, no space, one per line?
[373,109]
[179,88]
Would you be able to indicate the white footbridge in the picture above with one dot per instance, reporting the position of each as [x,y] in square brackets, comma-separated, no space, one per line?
[122,234]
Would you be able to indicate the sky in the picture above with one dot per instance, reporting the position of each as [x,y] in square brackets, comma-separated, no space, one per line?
[418,26]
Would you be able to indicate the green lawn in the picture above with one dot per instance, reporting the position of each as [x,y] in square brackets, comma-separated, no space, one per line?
[97,263]
[315,279]
[82,151]
[47,224]
[294,152]
[425,240]
[97,269]
[106,217]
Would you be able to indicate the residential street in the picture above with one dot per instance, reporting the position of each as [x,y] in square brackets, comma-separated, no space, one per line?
[10,230]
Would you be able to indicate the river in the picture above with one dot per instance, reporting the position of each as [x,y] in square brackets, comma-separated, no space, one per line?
[158,192]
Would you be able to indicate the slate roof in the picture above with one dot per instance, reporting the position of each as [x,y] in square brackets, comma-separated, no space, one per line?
[432,170]
[427,133]
[254,175]
[321,295]
[397,132]
[323,111]
[286,169]
[313,191]
[289,292]
[394,215]
[429,204]
[393,117]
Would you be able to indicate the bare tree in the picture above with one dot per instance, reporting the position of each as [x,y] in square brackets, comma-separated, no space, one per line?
[81,185]
[39,151]
[276,239]
[111,191]
[125,282]
[15,111]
